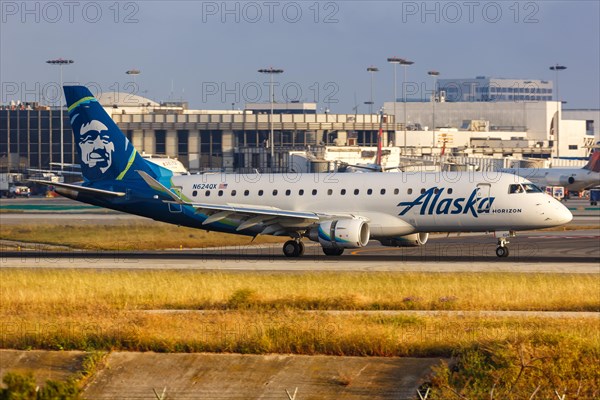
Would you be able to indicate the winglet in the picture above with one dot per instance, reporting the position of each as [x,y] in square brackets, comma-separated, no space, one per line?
[159,187]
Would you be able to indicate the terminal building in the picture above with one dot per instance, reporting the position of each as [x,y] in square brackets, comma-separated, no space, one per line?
[239,140]
[483,89]
[229,140]
[500,129]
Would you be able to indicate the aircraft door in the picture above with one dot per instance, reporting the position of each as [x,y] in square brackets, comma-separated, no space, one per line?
[484,193]
[176,208]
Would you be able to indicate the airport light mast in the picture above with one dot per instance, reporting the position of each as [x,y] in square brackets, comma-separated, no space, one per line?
[133,72]
[434,74]
[372,70]
[405,63]
[556,68]
[60,62]
[271,71]
[395,61]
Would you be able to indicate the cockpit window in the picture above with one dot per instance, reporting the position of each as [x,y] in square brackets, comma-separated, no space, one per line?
[515,189]
[524,188]
[531,188]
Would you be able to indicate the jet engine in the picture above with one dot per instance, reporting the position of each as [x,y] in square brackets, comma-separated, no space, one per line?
[343,233]
[412,240]
[566,180]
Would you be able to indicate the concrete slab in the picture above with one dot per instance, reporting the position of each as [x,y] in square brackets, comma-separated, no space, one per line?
[44,365]
[130,375]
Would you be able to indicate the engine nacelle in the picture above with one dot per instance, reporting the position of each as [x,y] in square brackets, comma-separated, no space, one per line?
[562,180]
[412,240]
[343,233]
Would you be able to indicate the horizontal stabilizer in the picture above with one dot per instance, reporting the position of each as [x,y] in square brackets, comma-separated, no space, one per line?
[80,189]
[159,187]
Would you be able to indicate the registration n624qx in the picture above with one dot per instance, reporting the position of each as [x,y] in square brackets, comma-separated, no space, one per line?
[342,211]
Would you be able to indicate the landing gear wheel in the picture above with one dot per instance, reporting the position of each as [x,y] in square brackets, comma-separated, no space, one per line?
[301,248]
[293,248]
[502,251]
[333,251]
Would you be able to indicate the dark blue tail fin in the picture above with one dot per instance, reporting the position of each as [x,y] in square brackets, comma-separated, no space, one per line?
[105,152]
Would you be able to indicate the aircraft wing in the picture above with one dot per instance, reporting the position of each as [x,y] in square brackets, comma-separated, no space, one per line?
[275,220]
[79,189]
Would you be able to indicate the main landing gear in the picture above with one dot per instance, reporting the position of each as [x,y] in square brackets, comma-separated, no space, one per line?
[293,248]
[333,251]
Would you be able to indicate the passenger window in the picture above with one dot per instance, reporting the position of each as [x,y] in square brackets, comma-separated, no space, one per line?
[343,192]
[356,191]
[246,192]
[409,191]
[329,192]
[275,192]
[207,193]
[382,191]
[195,193]
[422,191]
[314,192]
[288,192]
[450,191]
[220,193]
[301,192]
[370,191]
[233,193]
[260,192]
[396,191]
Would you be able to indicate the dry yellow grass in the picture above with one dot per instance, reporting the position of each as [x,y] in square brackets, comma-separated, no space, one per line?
[132,236]
[24,291]
[266,313]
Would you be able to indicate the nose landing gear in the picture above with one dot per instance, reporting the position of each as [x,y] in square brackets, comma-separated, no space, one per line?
[502,249]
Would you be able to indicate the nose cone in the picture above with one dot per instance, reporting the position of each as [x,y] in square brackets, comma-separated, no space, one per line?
[560,214]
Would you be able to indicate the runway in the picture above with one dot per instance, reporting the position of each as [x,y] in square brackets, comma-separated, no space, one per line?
[568,251]
[563,252]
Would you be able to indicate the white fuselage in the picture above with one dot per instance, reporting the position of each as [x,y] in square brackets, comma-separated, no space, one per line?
[394,204]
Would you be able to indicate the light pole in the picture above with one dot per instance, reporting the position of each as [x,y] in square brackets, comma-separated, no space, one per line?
[395,61]
[60,62]
[133,72]
[556,68]
[372,70]
[434,74]
[271,71]
[405,63]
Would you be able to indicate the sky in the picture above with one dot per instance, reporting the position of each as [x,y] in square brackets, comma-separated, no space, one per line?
[209,52]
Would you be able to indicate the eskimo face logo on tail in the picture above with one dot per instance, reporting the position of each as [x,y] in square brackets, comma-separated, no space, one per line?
[96,147]
[434,202]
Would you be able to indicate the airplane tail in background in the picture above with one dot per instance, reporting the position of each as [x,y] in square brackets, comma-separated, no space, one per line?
[594,161]
[106,153]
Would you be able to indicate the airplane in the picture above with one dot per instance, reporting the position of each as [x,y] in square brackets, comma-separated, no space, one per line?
[338,211]
[573,179]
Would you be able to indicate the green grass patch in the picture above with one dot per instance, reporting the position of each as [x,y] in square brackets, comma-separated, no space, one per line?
[543,366]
